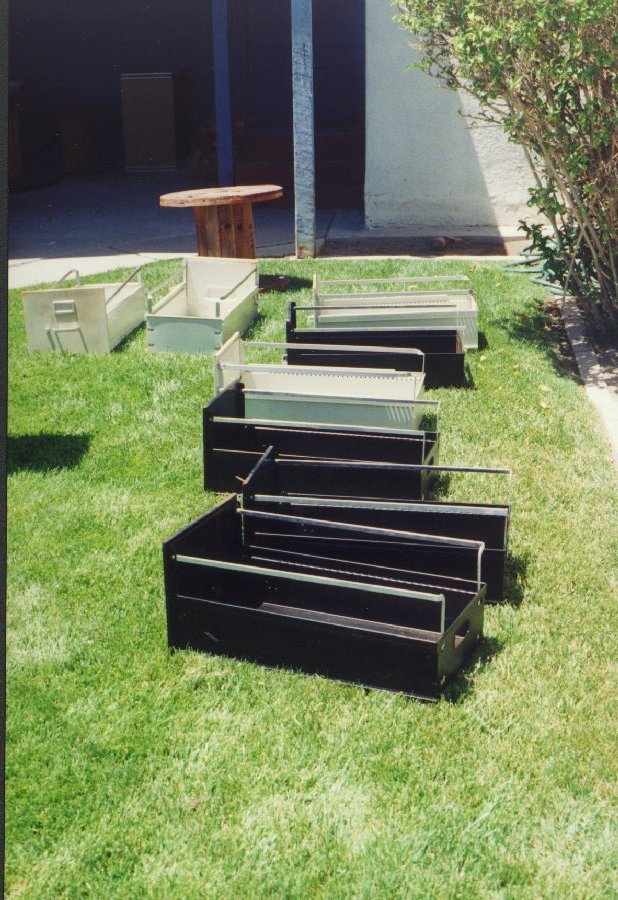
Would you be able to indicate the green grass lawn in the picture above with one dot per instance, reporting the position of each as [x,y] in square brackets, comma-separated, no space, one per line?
[135,773]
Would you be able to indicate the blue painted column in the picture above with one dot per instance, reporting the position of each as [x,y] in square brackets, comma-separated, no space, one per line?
[223,102]
[304,150]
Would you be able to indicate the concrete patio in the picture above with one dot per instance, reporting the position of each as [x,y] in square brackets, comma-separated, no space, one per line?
[102,221]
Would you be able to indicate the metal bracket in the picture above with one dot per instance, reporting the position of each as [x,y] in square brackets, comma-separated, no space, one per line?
[57,284]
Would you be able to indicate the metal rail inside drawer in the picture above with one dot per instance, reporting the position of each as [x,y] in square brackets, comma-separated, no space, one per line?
[414,285]
[300,488]
[430,317]
[361,303]
[398,358]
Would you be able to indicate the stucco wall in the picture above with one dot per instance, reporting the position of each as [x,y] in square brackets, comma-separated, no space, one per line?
[425,166]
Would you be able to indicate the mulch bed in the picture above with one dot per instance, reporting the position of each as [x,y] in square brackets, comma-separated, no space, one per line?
[422,246]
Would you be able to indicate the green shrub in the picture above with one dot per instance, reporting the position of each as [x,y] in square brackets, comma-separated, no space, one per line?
[547,72]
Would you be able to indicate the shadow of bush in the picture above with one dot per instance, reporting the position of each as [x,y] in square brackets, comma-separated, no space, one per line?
[45,452]
[542,328]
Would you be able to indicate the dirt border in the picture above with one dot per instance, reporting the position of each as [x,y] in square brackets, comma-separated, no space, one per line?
[597,379]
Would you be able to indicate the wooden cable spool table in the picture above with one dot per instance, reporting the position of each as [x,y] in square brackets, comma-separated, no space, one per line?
[224,216]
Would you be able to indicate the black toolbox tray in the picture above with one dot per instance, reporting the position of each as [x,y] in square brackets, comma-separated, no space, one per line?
[442,348]
[298,488]
[233,445]
[229,592]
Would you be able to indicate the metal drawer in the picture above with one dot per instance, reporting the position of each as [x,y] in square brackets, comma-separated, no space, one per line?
[234,438]
[85,319]
[216,299]
[231,365]
[231,591]
[442,348]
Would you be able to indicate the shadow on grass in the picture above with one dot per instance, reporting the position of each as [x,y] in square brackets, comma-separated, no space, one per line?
[45,452]
[439,485]
[287,283]
[515,572]
[299,284]
[483,342]
[463,685]
[128,339]
[514,592]
[468,380]
[542,328]
[255,326]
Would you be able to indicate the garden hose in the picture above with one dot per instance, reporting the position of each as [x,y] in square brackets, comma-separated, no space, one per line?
[531,265]
[551,286]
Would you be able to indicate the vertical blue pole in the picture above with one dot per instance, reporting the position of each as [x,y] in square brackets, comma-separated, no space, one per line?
[223,103]
[304,151]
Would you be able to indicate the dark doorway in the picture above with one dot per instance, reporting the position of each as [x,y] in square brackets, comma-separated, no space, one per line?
[67,60]
[261,77]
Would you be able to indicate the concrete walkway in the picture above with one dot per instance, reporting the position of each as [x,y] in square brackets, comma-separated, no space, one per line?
[111,220]
[598,382]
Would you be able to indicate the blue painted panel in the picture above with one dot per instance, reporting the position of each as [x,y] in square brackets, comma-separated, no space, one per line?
[223,108]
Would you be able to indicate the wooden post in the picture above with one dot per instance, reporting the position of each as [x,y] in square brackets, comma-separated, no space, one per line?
[223,103]
[304,151]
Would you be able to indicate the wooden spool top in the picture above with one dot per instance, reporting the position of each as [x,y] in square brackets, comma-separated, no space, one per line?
[222,196]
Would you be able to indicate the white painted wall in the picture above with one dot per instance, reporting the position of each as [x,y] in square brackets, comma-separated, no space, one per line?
[425,166]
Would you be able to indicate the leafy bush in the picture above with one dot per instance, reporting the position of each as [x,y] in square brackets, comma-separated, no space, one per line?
[547,72]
